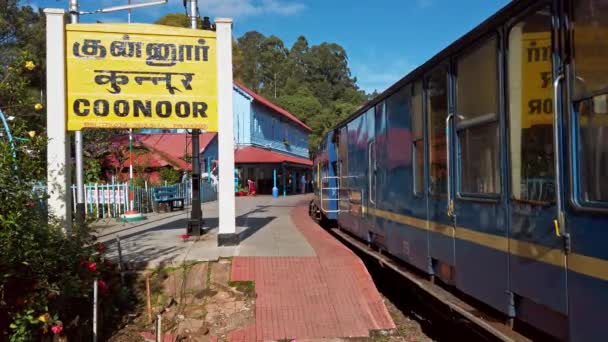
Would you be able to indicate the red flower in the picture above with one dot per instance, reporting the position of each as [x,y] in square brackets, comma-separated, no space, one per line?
[103,287]
[185,237]
[92,266]
[30,204]
[108,263]
[57,329]
[100,247]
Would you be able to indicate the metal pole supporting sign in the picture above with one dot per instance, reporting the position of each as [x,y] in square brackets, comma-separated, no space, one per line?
[195,223]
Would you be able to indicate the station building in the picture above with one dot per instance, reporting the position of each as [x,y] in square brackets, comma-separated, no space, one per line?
[268,139]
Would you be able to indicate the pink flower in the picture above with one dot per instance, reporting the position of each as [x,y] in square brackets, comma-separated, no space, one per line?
[57,329]
[92,266]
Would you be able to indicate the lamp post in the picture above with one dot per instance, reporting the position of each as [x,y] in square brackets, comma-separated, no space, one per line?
[195,222]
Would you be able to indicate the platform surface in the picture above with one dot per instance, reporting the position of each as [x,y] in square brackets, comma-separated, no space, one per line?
[263,222]
[326,296]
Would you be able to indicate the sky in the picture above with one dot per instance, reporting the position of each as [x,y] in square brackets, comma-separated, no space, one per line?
[384,39]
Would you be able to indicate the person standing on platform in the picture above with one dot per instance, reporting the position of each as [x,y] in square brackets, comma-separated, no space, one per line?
[251,186]
[303,184]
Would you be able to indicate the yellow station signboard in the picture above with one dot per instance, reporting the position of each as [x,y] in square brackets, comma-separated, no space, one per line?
[140,76]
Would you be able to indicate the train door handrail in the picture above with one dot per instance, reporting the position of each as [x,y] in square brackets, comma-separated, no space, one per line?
[336,198]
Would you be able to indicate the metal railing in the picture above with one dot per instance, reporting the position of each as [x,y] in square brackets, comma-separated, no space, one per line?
[113,200]
[334,194]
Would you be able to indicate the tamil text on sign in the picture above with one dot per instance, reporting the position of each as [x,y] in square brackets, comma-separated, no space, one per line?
[141,76]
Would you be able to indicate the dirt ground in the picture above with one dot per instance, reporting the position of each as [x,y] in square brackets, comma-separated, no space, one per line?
[195,301]
[198,301]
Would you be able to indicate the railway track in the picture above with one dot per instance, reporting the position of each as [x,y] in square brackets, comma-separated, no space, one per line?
[443,315]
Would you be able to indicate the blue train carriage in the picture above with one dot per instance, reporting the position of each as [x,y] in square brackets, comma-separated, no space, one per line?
[487,167]
[326,181]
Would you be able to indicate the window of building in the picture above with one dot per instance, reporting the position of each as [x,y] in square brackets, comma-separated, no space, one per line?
[531,108]
[417,117]
[477,119]
[437,108]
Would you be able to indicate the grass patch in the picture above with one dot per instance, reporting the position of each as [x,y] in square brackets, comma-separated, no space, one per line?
[245,287]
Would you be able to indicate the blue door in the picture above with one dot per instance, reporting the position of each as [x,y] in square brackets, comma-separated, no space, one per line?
[480,210]
[585,86]
[537,258]
[441,237]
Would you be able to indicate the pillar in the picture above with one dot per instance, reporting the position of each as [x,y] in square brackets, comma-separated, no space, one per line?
[57,156]
[283,179]
[227,213]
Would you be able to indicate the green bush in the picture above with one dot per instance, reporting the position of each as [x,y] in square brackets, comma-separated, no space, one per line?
[46,277]
[169,175]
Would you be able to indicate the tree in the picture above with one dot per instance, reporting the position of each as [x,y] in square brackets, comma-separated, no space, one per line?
[251,46]
[273,66]
[169,175]
[98,143]
[174,19]
[313,82]
[22,71]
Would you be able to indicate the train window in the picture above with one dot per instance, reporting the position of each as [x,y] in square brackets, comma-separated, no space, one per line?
[531,108]
[591,101]
[477,119]
[590,47]
[593,150]
[418,137]
[437,107]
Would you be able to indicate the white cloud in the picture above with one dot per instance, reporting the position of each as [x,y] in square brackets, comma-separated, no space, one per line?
[243,8]
[379,76]
[211,8]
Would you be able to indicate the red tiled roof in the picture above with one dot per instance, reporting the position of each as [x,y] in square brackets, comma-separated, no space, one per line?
[149,160]
[165,149]
[272,106]
[255,155]
[175,145]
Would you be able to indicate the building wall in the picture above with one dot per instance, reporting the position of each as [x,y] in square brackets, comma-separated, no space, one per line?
[270,130]
[209,154]
[257,125]
[241,103]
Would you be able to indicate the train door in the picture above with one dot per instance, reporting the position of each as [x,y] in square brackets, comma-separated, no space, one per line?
[537,259]
[375,232]
[585,84]
[441,238]
[480,210]
[366,174]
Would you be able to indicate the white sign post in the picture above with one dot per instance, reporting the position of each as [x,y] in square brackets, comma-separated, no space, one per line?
[227,226]
[58,173]
[58,168]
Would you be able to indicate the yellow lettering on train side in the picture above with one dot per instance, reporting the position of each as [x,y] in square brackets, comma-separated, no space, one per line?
[537,80]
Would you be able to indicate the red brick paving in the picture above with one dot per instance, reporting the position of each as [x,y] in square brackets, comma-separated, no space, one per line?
[330,295]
